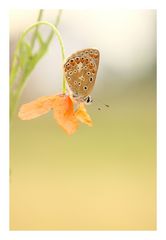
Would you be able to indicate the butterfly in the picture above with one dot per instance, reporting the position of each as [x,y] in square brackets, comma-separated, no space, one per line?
[80,70]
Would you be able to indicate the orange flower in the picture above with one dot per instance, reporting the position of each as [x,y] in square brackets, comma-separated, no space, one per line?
[63,111]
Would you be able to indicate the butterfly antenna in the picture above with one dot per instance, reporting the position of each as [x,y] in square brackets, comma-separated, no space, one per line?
[94,102]
[106,105]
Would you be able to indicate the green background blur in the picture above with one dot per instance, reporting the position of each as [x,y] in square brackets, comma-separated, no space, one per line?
[104,177]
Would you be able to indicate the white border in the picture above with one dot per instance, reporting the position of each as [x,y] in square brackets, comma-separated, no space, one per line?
[73,4]
[4,124]
[4,133]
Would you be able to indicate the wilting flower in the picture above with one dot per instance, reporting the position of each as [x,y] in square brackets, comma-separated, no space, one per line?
[63,111]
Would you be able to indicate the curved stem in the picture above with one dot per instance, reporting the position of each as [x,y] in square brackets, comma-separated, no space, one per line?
[21,40]
[36,30]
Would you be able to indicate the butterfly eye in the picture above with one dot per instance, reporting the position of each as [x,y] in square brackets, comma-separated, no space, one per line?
[85,68]
[85,88]
[75,82]
[88,73]
[86,52]
[75,71]
[69,78]
[70,72]
[79,84]
[91,52]
[91,79]
[88,100]
[71,60]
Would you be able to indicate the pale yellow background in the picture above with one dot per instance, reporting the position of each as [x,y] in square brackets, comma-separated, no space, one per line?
[104,177]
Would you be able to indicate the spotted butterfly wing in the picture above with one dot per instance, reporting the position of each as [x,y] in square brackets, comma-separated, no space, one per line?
[80,71]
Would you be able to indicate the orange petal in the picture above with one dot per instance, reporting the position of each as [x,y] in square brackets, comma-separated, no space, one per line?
[82,115]
[64,113]
[36,108]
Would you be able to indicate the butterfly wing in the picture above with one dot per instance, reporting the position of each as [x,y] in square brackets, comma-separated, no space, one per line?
[80,71]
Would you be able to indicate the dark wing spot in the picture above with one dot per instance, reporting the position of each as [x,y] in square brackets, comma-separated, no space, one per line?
[82,59]
[77,60]
[85,88]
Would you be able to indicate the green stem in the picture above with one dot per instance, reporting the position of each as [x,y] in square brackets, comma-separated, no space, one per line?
[16,95]
[56,24]
[23,36]
[36,30]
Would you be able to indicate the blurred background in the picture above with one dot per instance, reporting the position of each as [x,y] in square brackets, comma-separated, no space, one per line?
[104,177]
